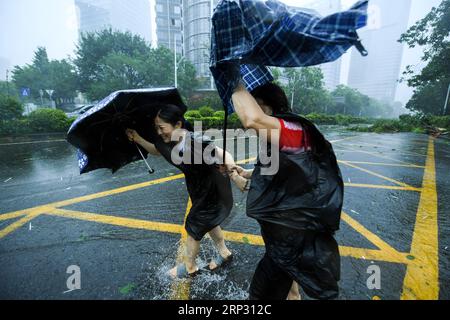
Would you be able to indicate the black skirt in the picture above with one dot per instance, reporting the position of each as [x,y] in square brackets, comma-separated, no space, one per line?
[208,188]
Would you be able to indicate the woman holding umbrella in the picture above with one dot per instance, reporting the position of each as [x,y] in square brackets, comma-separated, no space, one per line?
[208,186]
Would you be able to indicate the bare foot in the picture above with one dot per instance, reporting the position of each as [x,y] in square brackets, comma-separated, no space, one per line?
[173,272]
[225,255]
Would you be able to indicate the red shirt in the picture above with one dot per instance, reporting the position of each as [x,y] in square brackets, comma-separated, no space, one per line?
[293,138]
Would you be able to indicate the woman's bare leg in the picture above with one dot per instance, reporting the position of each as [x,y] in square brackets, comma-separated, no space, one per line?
[294,293]
[192,248]
[216,235]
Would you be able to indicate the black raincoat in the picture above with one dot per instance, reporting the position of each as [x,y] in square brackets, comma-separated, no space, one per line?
[305,195]
[209,189]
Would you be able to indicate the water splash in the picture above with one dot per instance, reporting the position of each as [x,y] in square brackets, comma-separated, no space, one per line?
[155,284]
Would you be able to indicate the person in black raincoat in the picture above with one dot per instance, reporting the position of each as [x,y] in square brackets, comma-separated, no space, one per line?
[298,208]
[208,187]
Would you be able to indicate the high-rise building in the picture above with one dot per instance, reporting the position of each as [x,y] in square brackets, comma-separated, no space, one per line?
[197,35]
[377,74]
[132,16]
[169,24]
[332,70]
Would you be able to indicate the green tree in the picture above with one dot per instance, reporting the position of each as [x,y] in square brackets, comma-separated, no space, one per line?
[8,89]
[430,85]
[353,103]
[112,60]
[92,50]
[63,80]
[307,87]
[43,74]
[10,108]
[356,104]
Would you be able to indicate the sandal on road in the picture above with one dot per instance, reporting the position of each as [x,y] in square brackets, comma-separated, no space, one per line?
[182,272]
[221,262]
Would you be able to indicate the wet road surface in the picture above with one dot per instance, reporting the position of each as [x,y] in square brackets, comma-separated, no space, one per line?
[124,231]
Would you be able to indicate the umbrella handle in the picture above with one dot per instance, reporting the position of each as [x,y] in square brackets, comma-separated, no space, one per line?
[150,170]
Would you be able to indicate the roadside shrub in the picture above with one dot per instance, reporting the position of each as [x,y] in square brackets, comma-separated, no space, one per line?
[15,127]
[10,108]
[49,120]
[206,111]
[219,114]
[193,114]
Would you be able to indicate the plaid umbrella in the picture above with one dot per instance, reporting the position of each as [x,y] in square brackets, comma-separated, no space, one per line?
[259,33]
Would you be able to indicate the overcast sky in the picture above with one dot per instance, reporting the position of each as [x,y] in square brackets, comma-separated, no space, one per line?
[27,24]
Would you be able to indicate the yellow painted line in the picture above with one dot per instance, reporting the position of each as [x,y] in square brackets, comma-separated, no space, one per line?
[377,255]
[336,141]
[386,253]
[402,184]
[17,224]
[376,186]
[422,275]
[243,238]
[376,240]
[250,239]
[8,216]
[94,196]
[180,289]
[358,253]
[385,164]
[375,155]
[23,212]
[117,221]
[407,153]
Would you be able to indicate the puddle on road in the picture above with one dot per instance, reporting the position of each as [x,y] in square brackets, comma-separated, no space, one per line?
[155,284]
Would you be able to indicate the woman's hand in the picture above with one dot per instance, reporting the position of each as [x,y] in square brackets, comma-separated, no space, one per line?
[247,174]
[133,135]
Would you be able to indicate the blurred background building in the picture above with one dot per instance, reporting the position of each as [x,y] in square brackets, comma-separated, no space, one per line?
[377,74]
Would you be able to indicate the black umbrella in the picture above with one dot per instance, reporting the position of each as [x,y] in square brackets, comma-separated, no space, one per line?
[99,134]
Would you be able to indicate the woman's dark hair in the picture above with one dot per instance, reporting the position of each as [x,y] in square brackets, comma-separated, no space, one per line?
[172,114]
[273,96]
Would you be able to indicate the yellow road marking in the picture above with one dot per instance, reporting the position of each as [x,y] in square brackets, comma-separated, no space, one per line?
[8,216]
[377,175]
[376,186]
[180,289]
[422,274]
[117,221]
[348,138]
[42,209]
[93,196]
[386,253]
[19,213]
[377,255]
[376,155]
[381,164]
[17,224]
[407,153]
[376,240]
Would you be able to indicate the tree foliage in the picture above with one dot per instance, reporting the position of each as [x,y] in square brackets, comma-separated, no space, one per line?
[112,60]
[430,85]
[44,74]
